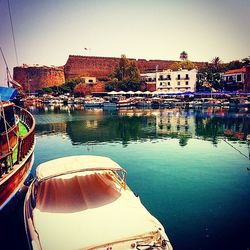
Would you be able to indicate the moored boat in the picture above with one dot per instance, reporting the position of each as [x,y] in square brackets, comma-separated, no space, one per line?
[93,103]
[122,101]
[17,142]
[83,202]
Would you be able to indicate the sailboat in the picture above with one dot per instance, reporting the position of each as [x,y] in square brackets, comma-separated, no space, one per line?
[17,142]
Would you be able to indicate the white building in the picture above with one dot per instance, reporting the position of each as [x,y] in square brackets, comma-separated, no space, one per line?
[88,79]
[172,81]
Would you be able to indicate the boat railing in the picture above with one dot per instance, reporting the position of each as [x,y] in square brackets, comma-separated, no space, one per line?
[26,142]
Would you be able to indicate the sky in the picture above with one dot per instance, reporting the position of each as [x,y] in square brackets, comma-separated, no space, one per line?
[48,31]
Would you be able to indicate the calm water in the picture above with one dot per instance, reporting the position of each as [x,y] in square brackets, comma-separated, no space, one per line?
[190,168]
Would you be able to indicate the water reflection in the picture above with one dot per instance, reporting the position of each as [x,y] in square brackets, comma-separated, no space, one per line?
[125,125]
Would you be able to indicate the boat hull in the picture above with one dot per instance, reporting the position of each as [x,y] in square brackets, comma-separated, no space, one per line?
[10,185]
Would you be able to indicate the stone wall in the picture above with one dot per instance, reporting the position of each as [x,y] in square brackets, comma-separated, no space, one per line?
[101,67]
[37,77]
[89,66]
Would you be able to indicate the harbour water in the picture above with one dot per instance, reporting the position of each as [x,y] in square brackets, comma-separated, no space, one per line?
[189,167]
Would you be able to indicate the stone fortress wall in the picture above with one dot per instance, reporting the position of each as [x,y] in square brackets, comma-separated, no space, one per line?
[36,77]
[78,66]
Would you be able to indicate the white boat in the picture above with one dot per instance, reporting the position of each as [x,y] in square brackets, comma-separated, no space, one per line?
[83,202]
[122,101]
[93,103]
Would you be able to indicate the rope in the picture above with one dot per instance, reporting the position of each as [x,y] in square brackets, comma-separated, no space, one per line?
[248,157]
[12,29]
[7,68]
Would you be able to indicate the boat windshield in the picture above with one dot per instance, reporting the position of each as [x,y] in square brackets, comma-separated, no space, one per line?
[77,192]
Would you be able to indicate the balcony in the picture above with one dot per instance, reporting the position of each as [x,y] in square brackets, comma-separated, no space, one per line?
[164,79]
[183,78]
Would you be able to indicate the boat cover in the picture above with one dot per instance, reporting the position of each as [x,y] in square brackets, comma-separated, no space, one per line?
[74,163]
[88,210]
[7,94]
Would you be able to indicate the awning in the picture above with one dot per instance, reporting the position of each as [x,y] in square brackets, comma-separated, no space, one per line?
[7,94]
[112,93]
[131,92]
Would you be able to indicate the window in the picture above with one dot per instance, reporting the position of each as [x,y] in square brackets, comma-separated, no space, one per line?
[179,77]
[160,83]
[238,78]
[90,80]
[187,77]
[186,82]
[168,83]
[178,83]
[169,77]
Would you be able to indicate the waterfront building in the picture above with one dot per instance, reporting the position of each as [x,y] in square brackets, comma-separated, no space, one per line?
[235,79]
[171,81]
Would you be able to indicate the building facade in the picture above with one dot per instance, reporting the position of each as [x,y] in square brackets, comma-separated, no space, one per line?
[171,81]
[235,79]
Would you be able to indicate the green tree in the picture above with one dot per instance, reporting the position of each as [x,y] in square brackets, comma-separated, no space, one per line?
[186,64]
[121,68]
[209,76]
[132,72]
[236,64]
[126,76]
[217,63]
[246,61]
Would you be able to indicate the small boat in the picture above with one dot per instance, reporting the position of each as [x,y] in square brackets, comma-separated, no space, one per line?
[123,102]
[93,103]
[83,202]
[17,142]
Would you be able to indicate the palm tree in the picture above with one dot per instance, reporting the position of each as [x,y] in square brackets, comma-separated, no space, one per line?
[183,55]
[216,62]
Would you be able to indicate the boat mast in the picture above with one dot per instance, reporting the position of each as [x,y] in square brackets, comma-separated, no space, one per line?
[7,68]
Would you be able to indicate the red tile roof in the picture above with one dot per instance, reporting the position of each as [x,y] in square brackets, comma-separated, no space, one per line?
[235,71]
